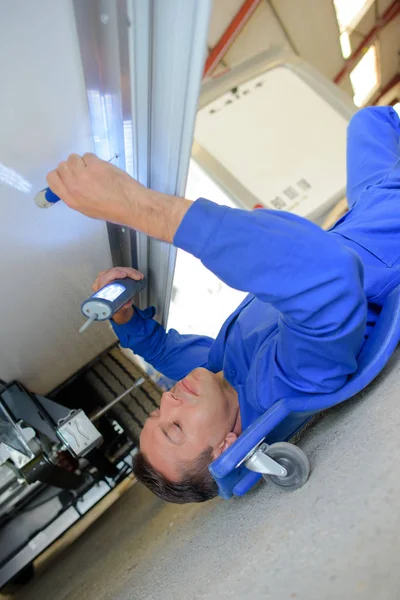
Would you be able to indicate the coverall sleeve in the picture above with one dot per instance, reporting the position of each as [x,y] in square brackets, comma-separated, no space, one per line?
[304,272]
[373,150]
[170,353]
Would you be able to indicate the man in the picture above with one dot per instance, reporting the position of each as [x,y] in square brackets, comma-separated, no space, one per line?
[314,297]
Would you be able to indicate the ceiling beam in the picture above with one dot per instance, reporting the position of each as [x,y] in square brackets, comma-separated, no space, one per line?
[392,12]
[283,27]
[383,91]
[229,36]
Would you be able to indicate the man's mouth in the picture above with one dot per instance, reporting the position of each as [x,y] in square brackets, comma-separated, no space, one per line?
[188,387]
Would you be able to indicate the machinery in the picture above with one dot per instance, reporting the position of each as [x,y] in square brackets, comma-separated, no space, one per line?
[52,453]
[59,456]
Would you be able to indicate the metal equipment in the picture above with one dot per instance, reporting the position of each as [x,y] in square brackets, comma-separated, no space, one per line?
[61,455]
[104,303]
[110,405]
[58,424]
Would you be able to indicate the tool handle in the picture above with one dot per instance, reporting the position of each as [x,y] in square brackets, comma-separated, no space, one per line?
[104,302]
[46,198]
[132,287]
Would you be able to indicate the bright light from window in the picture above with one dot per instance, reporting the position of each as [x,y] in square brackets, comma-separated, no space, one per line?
[98,106]
[14,179]
[201,302]
[345,44]
[128,146]
[348,10]
[364,77]
[347,14]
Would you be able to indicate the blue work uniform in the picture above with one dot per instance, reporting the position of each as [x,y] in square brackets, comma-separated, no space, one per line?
[313,295]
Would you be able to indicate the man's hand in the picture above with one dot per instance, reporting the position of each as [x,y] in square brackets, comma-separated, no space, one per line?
[94,187]
[125,314]
[100,190]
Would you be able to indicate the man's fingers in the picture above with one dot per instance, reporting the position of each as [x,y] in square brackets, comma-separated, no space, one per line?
[110,275]
[56,185]
[107,277]
[102,279]
[132,273]
[95,284]
[89,158]
[75,163]
[64,171]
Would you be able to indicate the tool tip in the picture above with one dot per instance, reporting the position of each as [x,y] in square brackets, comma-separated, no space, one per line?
[41,201]
[88,322]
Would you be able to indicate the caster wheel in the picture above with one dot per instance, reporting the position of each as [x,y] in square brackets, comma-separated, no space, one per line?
[295,462]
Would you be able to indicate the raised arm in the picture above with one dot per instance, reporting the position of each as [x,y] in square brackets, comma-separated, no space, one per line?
[171,353]
[373,149]
[314,281]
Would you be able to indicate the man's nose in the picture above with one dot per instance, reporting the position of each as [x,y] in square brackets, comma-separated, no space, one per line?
[168,403]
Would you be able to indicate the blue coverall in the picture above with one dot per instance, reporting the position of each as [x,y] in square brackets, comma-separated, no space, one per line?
[313,295]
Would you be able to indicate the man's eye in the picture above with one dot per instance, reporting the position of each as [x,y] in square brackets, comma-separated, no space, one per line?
[177,425]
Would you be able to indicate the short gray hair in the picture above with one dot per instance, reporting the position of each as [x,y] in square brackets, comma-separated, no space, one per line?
[196,485]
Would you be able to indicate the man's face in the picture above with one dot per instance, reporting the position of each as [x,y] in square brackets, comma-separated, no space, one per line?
[199,412]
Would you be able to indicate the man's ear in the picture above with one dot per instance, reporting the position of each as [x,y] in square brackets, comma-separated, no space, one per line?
[228,441]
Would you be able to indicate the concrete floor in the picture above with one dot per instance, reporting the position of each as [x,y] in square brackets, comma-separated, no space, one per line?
[336,538]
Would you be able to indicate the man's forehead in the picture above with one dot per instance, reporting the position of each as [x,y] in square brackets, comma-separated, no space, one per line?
[160,453]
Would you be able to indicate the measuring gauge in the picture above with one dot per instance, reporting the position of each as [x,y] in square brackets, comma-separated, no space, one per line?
[110,299]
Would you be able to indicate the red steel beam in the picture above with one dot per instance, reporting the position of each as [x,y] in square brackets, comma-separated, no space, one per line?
[229,36]
[388,15]
[394,81]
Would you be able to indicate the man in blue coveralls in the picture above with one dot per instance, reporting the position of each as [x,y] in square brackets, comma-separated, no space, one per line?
[313,298]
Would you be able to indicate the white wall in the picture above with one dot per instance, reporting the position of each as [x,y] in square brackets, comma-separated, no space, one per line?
[48,258]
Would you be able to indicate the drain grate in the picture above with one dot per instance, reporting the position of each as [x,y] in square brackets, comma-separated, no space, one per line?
[111,375]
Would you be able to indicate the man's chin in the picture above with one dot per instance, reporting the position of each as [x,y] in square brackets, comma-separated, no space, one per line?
[237,428]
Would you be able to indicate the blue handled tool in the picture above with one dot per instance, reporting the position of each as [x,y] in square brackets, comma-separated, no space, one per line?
[110,299]
[46,198]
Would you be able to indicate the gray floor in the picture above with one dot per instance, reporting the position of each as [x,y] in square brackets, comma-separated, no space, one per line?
[337,538]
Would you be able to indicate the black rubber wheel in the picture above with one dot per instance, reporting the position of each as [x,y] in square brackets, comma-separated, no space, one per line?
[295,462]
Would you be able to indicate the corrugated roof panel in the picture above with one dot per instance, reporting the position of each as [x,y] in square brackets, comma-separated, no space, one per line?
[222,14]
[314,31]
[389,48]
[259,34]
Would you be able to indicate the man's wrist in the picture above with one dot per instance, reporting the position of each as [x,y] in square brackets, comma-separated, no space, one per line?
[154,213]
[123,316]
